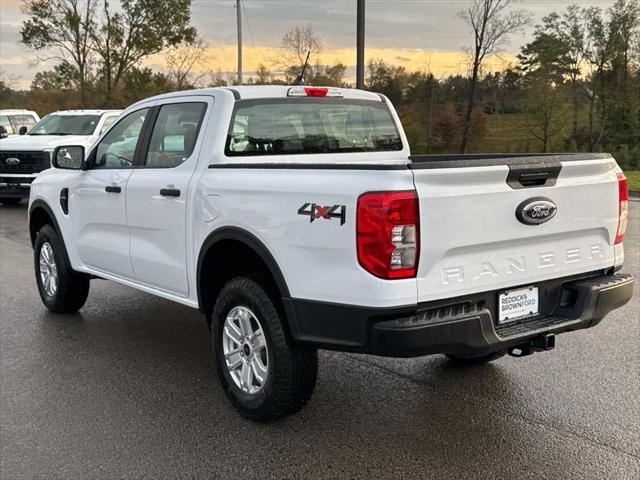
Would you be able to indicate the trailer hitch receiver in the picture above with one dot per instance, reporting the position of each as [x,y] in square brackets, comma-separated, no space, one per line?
[541,343]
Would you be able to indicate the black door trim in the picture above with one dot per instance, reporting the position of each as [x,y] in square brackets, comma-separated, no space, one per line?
[142,149]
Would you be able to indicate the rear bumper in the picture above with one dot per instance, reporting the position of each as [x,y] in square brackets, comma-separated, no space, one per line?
[463,326]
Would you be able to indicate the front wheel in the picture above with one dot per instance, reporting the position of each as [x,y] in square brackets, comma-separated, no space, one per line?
[265,376]
[62,289]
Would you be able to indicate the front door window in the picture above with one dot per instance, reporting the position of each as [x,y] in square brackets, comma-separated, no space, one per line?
[118,147]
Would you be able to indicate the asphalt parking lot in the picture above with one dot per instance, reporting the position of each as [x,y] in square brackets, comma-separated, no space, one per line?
[126,389]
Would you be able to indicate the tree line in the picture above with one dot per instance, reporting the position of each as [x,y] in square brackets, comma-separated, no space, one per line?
[574,87]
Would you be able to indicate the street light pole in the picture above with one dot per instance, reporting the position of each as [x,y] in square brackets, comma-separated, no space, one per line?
[360,45]
[239,20]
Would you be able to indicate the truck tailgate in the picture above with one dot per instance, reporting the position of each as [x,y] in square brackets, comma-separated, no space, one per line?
[472,240]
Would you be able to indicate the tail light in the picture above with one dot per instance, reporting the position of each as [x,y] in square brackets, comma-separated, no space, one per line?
[623,207]
[388,234]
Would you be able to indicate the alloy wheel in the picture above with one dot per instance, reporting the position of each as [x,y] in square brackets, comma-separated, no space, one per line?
[245,350]
[48,269]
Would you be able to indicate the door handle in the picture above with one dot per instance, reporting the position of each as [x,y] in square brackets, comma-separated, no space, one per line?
[112,189]
[169,192]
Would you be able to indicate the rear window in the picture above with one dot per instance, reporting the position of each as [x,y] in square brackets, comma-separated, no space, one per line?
[25,120]
[300,126]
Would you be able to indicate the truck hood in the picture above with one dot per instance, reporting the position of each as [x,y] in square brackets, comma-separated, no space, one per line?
[43,142]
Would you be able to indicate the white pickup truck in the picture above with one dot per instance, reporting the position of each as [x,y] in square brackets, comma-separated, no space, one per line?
[295,218]
[23,157]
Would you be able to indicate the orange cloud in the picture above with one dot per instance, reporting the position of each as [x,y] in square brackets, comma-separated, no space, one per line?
[440,63]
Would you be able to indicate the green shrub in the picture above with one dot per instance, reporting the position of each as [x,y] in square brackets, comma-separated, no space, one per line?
[628,157]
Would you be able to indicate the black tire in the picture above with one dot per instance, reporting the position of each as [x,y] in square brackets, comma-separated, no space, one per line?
[72,287]
[10,200]
[470,361]
[292,369]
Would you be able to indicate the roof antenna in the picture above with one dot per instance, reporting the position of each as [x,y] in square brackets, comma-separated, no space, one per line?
[300,78]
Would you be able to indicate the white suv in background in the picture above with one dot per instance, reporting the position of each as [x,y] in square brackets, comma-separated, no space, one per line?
[23,157]
[16,122]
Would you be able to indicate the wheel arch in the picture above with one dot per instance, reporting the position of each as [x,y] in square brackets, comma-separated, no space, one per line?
[40,214]
[240,241]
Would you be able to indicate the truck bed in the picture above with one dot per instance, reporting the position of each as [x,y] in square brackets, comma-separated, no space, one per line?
[472,239]
[526,170]
[493,159]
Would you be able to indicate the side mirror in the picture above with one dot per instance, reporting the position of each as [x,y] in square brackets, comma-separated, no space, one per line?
[23,130]
[3,132]
[68,157]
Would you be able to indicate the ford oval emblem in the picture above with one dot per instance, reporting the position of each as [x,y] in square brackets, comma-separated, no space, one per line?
[536,211]
[12,161]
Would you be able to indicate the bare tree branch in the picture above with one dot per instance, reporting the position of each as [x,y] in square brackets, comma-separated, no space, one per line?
[183,60]
[297,42]
[491,22]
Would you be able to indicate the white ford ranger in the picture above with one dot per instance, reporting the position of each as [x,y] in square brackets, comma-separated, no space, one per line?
[23,157]
[295,218]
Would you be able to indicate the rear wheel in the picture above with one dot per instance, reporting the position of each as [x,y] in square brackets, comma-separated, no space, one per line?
[265,376]
[61,289]
[469,361]
[10,200]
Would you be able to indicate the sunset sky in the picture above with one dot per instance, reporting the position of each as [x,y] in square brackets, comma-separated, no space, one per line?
[417,34]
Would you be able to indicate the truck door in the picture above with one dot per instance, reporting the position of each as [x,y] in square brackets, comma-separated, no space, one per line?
[100,221]
[157,195]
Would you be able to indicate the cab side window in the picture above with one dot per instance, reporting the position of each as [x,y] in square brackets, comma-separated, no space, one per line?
[118,147]
[6,123]
[174,134]
[107,123]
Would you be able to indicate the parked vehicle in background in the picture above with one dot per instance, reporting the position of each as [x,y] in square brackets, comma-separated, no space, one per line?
[295,218]
[23,157]
[16,122]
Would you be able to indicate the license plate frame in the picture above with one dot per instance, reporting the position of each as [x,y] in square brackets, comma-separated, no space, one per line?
[518,304]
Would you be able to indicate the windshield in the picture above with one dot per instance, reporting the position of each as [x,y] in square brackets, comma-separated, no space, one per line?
[301,126]
[66,125]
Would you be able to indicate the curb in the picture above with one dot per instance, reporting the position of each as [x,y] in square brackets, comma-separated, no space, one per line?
[634,193]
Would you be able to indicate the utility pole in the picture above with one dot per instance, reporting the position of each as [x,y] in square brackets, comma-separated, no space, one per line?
[432,86]
[432,83]
[239,20]
[360,45]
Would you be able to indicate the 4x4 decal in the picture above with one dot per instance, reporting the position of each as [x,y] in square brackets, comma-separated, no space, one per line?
[316,212]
